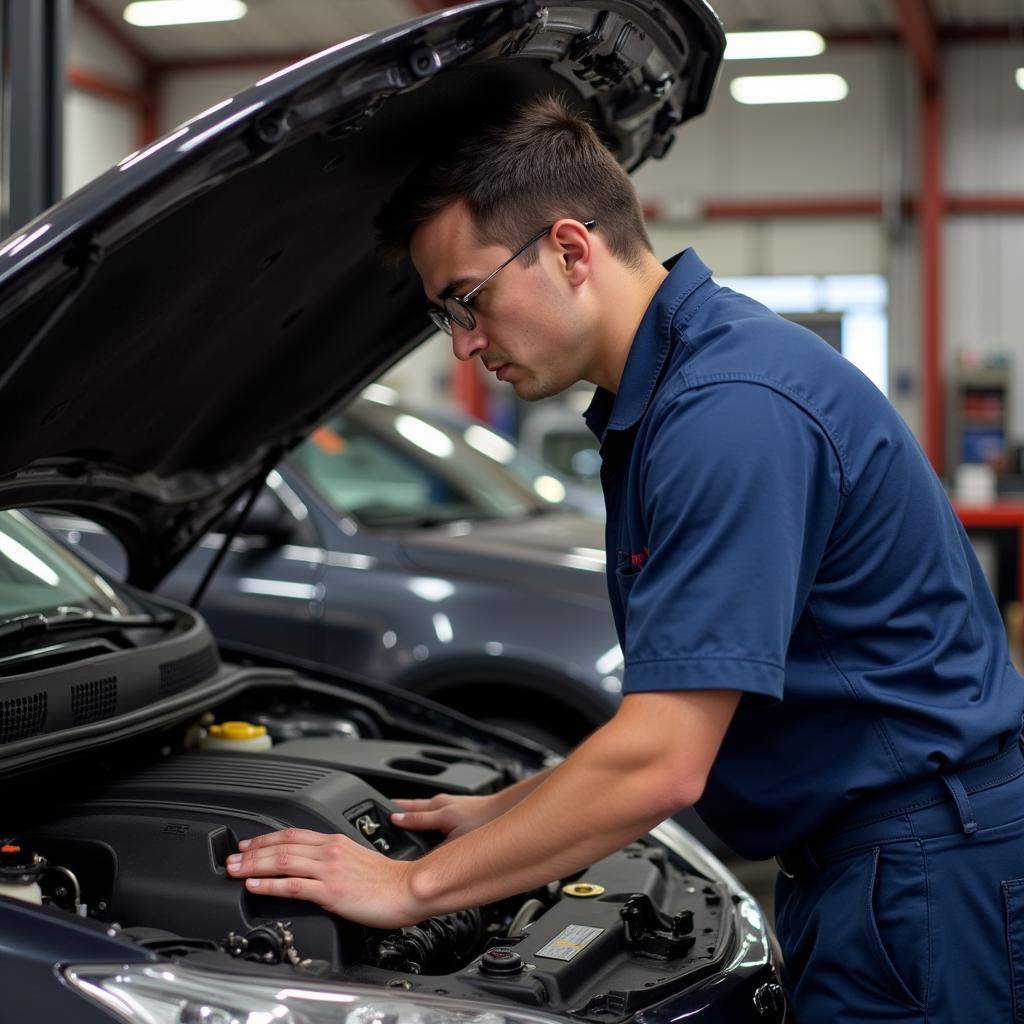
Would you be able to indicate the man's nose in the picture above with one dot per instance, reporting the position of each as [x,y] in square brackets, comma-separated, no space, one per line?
[467,343]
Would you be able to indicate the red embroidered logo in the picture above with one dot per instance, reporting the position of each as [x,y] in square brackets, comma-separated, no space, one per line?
[637,560]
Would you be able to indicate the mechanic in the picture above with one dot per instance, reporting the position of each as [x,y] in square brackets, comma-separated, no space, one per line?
[812,655]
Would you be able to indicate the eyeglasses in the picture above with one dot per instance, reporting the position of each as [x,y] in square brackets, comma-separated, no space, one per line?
[455,308]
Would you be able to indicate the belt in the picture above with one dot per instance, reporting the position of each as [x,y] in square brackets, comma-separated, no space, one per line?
[811,856]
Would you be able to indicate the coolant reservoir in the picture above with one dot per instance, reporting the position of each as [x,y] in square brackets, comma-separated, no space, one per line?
[19,872]
[236,736]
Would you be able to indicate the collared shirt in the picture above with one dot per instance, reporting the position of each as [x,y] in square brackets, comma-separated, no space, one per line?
[774,528]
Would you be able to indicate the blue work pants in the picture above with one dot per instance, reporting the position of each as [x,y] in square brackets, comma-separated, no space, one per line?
[916,915]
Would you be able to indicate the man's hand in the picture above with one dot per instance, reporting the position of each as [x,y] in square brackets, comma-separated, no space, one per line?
[452,815]
[332,871]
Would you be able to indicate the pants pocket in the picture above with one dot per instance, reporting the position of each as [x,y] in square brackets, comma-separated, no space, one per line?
[1013,900]
[896,916]
[855,938]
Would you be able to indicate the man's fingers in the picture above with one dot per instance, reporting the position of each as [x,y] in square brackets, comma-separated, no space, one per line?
[299,836]
[278,860]
[415,805]
[421,821]
[294,888]
[434,803]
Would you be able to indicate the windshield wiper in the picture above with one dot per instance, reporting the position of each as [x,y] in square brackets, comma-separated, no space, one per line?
[71,616]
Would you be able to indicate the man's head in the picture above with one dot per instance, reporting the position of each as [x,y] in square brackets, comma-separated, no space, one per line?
[542,175]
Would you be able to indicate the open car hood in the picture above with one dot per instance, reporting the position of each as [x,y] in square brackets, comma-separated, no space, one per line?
[170,330]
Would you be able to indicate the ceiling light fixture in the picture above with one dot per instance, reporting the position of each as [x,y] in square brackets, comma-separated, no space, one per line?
[150,13]
[789,89]
[1020,78]
[771,45]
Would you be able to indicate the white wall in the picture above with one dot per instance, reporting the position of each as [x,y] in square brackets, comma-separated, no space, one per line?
[97,131]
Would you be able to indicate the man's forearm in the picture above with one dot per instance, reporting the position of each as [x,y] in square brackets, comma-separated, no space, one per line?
[608,792]
[508,797]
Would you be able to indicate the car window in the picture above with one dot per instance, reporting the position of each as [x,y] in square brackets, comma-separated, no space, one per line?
[395,468]
[37,574]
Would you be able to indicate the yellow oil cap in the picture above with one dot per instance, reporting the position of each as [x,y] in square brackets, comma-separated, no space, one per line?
[583,889]
[238,731]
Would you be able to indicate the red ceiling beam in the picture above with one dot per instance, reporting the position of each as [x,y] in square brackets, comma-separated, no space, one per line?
[985,204]
[853,206]
[918,32]
[86,81]
[726,209]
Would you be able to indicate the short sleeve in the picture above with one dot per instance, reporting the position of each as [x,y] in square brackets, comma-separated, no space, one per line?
[739,487]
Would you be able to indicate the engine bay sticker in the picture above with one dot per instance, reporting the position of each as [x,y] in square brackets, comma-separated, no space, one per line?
[569,941]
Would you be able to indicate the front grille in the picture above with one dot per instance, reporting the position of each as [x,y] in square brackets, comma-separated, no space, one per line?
[183,673]
[94,700]
[21,717]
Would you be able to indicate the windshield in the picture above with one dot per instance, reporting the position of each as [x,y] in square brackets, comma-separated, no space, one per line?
[388,466]
[38,575]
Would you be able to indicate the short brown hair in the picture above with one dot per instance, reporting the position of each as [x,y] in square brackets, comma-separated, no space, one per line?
[544,163]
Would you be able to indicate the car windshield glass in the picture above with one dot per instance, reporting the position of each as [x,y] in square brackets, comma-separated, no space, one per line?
[389,466]
[37,575]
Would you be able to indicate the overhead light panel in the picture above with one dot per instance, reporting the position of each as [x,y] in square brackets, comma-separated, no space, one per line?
[788,89]
[1020,78]
[150,13]
[770,45]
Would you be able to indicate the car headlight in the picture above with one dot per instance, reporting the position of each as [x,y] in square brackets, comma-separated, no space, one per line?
[155,993]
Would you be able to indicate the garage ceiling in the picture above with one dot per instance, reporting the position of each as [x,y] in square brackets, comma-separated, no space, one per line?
[288,27]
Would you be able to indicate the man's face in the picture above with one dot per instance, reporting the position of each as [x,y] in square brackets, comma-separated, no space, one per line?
[530,320]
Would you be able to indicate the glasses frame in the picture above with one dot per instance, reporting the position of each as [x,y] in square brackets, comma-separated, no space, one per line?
[456,308]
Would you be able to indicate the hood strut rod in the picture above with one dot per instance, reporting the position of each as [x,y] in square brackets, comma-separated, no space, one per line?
[232,530]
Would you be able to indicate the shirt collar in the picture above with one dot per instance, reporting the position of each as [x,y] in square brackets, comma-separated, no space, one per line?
[649,350]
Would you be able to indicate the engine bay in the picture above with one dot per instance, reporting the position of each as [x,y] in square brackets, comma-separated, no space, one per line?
[139,846]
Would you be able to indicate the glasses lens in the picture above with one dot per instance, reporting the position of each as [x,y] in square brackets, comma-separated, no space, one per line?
[440,320]
[458,311]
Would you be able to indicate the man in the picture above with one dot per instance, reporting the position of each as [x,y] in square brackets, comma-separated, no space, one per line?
[812,655]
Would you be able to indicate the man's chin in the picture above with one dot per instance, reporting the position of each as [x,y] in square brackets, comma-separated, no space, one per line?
[531,390]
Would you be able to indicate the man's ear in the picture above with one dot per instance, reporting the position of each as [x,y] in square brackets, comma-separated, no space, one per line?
[575,249]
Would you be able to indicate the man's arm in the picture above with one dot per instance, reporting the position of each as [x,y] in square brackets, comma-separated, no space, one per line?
[649,761]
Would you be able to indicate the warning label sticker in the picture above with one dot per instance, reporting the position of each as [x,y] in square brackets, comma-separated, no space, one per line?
[569,941]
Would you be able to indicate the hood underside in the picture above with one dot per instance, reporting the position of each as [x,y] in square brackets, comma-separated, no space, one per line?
[173,328]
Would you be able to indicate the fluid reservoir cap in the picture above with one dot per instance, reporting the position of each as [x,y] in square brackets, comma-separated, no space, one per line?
[238,731]
[501,960]
[18,866]
[583,889]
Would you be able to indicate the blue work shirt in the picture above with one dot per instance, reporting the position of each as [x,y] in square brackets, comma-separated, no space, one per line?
[774,528]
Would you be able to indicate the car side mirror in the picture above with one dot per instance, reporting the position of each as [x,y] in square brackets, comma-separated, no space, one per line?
[269,520]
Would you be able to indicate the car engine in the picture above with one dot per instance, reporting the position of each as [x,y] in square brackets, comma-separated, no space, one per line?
[141,846]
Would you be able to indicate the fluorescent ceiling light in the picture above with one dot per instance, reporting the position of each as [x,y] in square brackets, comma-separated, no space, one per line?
[769,45]
[148,13]
[788,89]
[1020,78]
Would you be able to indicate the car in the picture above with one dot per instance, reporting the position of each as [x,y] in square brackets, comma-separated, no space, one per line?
[149,327]
[390,543]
